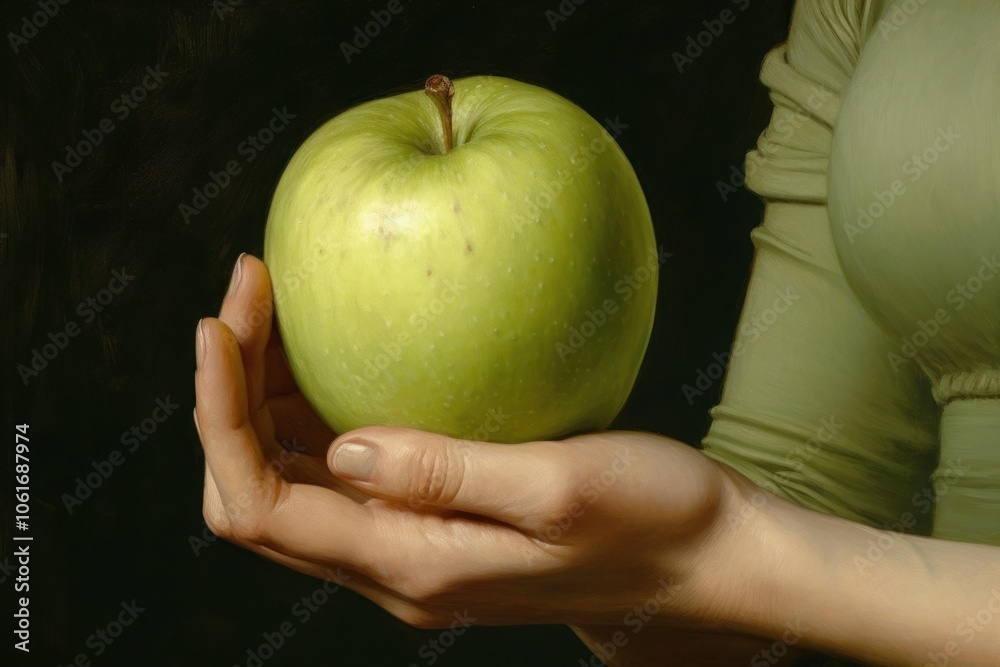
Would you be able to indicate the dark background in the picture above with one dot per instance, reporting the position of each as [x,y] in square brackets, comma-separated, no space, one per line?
[60,240]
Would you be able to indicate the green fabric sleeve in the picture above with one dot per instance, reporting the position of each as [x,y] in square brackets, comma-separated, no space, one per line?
[812,408]
[914,212]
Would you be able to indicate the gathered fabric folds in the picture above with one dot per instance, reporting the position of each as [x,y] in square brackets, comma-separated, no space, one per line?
[813,407]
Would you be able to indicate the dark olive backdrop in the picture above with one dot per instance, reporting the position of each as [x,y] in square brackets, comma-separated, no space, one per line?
[223,68]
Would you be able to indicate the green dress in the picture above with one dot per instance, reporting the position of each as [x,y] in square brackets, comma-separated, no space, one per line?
[818,406]
[812,408]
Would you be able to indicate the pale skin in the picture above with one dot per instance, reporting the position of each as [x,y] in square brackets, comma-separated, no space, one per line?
[639,542]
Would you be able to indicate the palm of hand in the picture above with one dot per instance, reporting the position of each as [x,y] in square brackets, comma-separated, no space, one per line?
[551,532]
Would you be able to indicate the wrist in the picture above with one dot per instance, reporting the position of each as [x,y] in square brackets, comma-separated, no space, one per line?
[736,579]
[799,577]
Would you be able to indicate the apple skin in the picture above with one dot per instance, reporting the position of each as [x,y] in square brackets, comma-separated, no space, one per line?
[441,291]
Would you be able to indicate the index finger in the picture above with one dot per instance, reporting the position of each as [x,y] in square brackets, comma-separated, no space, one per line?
[232,448]
[257,500]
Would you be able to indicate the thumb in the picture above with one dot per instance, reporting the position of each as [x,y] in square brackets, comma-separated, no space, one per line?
[509,483]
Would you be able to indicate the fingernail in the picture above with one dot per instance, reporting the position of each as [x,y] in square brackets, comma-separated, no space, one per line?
[200,342]
[354,460]
[234,282]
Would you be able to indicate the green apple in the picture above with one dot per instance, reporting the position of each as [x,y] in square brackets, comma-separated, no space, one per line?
[480,264]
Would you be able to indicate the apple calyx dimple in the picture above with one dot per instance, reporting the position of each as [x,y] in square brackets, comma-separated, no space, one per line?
[441,90]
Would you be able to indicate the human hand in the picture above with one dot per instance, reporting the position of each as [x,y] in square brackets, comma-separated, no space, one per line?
[429,527]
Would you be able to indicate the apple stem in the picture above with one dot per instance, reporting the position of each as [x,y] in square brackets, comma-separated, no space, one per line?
[440,89]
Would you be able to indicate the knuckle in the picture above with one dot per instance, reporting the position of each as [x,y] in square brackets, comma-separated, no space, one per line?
[422,590]
[248,527]
[564,493]
[438,476]
[562,508]
[217,523]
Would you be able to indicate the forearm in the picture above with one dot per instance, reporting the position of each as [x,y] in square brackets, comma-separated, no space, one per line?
[841,587]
